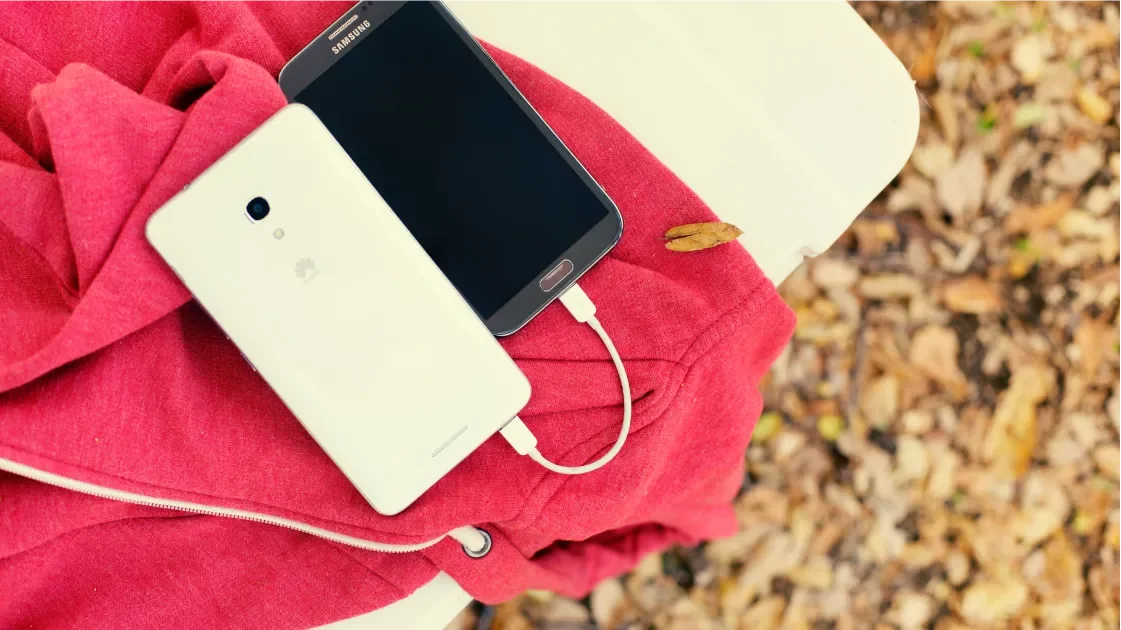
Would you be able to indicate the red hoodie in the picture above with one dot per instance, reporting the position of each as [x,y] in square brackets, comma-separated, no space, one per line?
[111,377]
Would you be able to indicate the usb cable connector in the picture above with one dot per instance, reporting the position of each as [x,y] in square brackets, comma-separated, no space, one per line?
[519,436]
[522,439]
[578,304]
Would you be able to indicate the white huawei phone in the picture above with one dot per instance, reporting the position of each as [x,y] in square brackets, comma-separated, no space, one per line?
[296,256]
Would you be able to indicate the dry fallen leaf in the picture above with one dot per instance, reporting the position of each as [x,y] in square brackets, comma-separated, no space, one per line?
[1082,224]
[697,236]
[608,601]
[913,462]
[765,615]
[927,62]
[1062,576]
[1071,168]
[1090,339]
[769,424]
[1094,501]
[961,188]
[685,614]
[1044,509]
[1094,106]
[934,350]
[817,574]
[508,616]
[1012,436]
[1099,35]
[880,400]
[887,286]
[1113,531]
[942,481]
[1028,56]
[911,610]
[964,9]
[1104,590]
[1059,583]
[992,601]
[931,159]
[1028,115]
[832,273]
[830,427]
[1035,218]
[957,568]
[565,611]
[873,237]
[946,113]
[972,294]
[1107,458]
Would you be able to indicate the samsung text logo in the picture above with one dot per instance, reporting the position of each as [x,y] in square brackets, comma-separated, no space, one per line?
[346,40]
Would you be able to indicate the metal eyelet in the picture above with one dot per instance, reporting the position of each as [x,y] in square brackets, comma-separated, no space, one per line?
[487,544]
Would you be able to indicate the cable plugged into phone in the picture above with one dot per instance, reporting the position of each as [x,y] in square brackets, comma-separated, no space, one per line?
[522,439]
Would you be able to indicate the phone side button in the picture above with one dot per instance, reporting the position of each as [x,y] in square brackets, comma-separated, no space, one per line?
[554,277]
[251,366]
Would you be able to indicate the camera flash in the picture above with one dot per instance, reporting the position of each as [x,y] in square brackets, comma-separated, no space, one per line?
[278,233]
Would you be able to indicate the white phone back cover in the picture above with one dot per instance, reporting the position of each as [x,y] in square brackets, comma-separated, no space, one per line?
[345,316]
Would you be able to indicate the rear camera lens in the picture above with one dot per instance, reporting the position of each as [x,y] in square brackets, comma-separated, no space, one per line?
[257,209]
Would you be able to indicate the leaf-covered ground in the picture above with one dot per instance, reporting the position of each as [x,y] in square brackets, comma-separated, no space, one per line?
[940,446]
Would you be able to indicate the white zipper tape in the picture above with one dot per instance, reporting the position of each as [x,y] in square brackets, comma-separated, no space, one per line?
[476,542]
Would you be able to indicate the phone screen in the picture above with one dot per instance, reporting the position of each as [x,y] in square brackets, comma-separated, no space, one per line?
[485,193]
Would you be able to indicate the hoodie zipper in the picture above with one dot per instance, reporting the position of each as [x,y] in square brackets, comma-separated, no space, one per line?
[476,542]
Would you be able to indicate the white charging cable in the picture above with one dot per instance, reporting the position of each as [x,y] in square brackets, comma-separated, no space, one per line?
[525,443]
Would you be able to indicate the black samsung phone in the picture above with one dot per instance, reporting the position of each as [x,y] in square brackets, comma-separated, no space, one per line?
[474,173]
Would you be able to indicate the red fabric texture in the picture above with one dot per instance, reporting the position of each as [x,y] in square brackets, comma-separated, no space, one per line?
[110,374]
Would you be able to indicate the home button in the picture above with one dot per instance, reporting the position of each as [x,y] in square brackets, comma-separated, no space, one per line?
[554,277]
